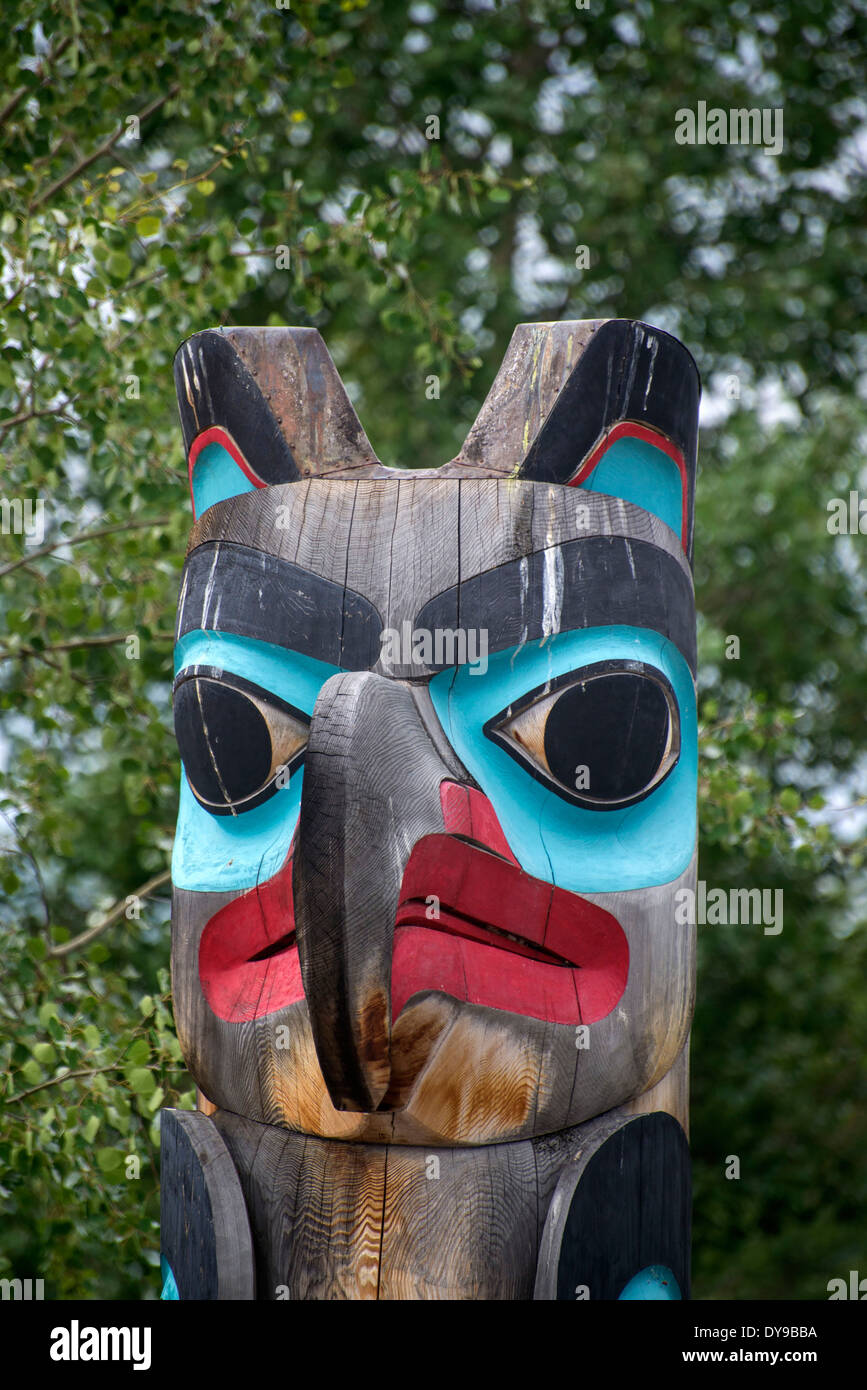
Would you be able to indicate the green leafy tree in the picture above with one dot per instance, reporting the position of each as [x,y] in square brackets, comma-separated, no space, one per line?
[413,180]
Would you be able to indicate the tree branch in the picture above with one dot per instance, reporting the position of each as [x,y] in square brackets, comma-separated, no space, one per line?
[79,540]
[17,97]
[21,419]
[66,948]
[15,293]
[76,644]
[56,1080]
[103,149]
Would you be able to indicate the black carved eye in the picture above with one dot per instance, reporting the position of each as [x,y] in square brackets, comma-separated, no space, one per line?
[603,737]
[239,744]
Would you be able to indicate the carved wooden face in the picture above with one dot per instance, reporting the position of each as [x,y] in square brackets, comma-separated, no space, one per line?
[438,732]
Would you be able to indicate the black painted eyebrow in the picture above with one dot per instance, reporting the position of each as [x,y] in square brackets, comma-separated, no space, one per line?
[233,588]
[606,580]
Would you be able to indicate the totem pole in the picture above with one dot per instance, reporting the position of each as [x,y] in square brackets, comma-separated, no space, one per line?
[438,735]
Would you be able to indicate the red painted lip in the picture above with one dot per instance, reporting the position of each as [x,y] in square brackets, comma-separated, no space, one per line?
[470,923]
[503,939]
[248,959]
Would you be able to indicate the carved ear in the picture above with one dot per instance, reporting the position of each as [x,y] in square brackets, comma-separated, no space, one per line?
[609,405]
[260,406]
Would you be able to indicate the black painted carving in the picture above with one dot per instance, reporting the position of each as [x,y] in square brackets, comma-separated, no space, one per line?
[216,390]
[606,580]
[233,588]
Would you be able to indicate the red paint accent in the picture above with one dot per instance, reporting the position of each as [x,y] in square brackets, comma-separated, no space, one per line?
[217,435]
[569,964]
[464,954]
[468,812]
[467,970]
[237,987]
[630,429]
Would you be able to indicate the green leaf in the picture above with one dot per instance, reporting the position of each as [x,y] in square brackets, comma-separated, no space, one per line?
[118,265]
[110,1161]
[147,226]
[139,1051]
[141,1081]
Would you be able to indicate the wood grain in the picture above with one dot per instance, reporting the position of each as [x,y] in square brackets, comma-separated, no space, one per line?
[364,538]
[205,1233]
[461,1073]
[422,1144]
[371,790]
[622,1205]
[367,1221]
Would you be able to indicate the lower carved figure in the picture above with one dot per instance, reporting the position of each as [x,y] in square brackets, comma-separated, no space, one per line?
[438,734]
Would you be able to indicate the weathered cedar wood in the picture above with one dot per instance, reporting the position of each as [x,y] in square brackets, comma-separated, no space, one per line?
[455,1151]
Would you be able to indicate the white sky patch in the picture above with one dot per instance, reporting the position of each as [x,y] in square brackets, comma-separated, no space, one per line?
[771,399]
[475,123]
[535,272]
[626,28]
[416,41]
[556,92]
[500,151]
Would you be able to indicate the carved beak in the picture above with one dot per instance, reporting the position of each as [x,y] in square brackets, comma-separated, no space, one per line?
[371,790]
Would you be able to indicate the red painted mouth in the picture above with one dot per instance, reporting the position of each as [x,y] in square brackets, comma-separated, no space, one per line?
[248,957]
[470,923]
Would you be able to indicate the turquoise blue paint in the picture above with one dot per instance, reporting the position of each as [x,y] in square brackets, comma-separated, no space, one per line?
[582,850]
[655,1283]
[641,474]
[237,852]
[170,1288]
[216,476]
[289,675]
[223,853]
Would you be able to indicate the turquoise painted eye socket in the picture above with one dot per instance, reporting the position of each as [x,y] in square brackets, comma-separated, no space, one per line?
[218,849]
[603,737]
[239,743]
[585,848]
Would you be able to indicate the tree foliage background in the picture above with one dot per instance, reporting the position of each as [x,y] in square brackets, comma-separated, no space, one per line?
[260,127]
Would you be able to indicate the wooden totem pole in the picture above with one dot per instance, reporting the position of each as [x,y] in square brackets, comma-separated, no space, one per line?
[438,734]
